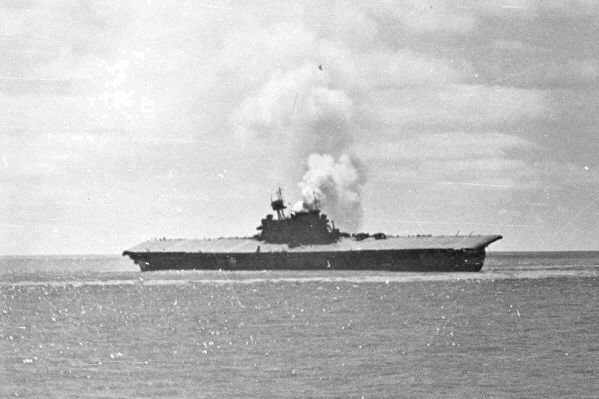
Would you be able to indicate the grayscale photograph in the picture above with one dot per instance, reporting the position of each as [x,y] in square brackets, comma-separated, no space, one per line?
[299,199]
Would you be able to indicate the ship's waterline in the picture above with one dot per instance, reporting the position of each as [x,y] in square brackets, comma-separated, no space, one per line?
[392,260]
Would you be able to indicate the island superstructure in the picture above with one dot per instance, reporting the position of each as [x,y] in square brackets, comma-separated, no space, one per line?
[307,240]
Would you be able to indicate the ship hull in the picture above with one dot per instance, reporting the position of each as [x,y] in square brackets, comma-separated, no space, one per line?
[406,260]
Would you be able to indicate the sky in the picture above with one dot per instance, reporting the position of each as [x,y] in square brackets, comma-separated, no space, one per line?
[125,121]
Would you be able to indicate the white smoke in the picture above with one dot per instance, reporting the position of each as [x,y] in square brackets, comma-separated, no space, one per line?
[299,108]
[334,186]
[306,115]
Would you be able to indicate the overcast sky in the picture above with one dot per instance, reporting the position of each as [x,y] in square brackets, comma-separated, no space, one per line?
[123,121]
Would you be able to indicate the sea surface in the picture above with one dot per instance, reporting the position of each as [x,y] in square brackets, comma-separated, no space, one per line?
[527,326]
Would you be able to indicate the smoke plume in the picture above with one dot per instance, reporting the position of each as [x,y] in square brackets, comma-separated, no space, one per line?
[308,117]
[335,187]
[300,109]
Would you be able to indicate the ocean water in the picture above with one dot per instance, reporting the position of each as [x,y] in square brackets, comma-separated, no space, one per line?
[526,326]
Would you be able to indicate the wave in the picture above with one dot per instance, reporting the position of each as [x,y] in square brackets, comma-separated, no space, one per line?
[224,278]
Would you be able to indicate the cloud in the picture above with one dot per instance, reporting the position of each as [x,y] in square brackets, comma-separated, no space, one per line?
[428,17]
[445,146]
[527,8]
[297,106]
[455,107]
[570,73]
[483,159]
[386,68]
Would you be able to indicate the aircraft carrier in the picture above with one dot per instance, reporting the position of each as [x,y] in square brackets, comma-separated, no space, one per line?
[307,240]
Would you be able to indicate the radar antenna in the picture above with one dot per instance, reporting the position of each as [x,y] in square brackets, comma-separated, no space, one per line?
[316,202]
[278,205]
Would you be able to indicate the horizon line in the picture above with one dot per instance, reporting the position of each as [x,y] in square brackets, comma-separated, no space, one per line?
[121,255]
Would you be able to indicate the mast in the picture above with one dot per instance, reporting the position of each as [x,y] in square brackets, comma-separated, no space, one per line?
[278,205]
[316,200]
